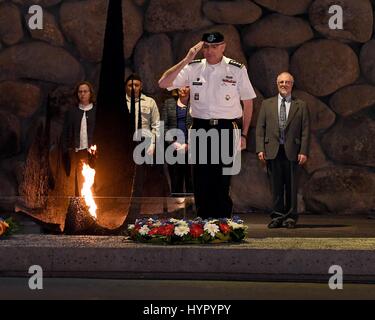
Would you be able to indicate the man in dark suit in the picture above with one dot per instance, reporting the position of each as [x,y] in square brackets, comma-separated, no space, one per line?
[282,141]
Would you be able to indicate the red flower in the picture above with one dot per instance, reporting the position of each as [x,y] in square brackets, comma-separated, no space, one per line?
[224,228]
[169,229]
[3,227]
[166,230]
[154,231]
[196,230]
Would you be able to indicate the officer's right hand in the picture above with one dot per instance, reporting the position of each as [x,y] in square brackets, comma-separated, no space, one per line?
[261,156]
[194,51]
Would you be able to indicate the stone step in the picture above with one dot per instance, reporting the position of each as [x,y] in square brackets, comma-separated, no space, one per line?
[267,259]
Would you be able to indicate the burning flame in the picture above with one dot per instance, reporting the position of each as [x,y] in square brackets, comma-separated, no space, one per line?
[86,192]
[92,150]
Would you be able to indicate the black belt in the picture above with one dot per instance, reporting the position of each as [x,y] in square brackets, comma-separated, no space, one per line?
[212,122]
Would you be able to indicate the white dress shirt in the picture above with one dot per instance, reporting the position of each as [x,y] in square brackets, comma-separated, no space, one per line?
[83,137]
[149,113]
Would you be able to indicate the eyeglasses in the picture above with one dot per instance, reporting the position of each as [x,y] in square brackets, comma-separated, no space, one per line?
[285,82]
[83,91]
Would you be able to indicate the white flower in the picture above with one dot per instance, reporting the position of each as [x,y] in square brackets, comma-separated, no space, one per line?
[211,228]
[213,221]
[177,222]
[182,223]
[235,225]
[131,226]
[172,220]
[181,230]
[157,224]
[144,230]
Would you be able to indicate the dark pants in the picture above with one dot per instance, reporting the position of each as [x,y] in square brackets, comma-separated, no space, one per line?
[149,191]
[284,186]
[137,192]
[181,176]
[211,187]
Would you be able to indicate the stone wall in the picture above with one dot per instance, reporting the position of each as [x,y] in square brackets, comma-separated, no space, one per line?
[334,72]
[35,63]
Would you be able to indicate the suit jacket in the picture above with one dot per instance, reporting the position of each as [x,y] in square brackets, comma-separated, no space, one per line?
[297,130]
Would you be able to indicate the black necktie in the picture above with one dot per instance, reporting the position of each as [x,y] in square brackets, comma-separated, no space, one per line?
[132,109]
[139,124]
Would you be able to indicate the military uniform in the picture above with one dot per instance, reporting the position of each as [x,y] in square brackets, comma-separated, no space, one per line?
[216,90]
[215,94]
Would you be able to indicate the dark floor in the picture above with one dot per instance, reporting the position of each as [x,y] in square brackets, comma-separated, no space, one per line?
[309,226]
[93,289]
[314,226]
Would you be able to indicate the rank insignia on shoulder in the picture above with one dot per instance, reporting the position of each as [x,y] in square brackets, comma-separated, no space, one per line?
[195,61]
[235,63]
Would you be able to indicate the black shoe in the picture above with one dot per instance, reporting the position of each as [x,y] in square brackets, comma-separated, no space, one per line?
[275,223]
[289,223]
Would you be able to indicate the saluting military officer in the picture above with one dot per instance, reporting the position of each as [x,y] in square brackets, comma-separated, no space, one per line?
[218,85]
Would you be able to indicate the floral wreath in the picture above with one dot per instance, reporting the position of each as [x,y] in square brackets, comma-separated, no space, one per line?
[7,227]
[197,231]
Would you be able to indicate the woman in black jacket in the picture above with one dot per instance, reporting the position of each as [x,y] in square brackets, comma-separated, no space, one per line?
[176,115]
[78,134]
